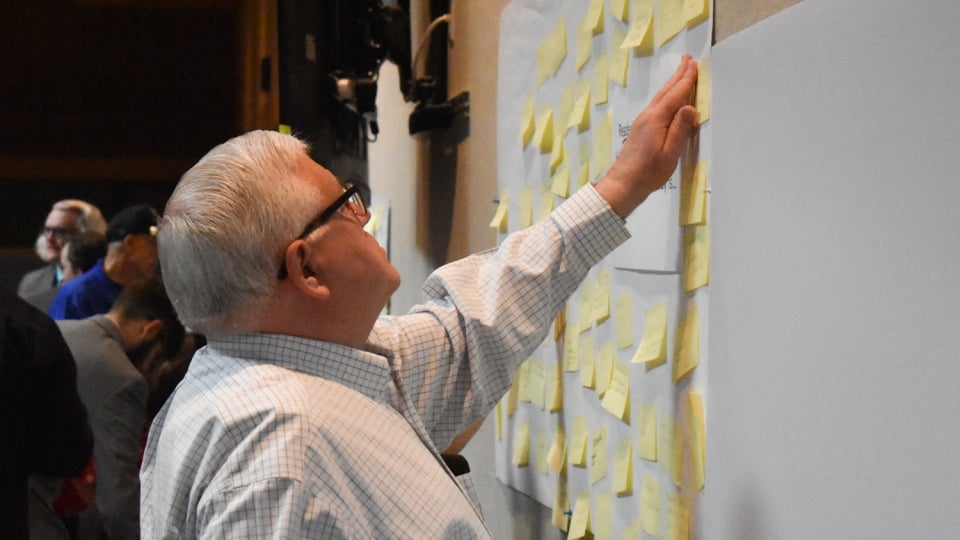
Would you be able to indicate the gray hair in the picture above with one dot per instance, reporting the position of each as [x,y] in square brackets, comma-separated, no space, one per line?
[226,225]
[89,218]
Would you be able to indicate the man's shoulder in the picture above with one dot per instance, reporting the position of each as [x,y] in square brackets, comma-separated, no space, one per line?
[37,280]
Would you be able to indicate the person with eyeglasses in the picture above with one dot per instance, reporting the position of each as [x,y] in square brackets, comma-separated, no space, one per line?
[307,414]
[66,218]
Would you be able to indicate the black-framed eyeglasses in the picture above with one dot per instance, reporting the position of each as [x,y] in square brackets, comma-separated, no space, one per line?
[58,232]
[350,201]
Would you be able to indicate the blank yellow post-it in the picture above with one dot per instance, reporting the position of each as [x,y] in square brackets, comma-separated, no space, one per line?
[571,349]
[617,398]
[560,182]
[524,385]
[669,451]
[499,220]
[688,356]
[584,47]
[526,208]
[598,455]
[521,445]
[556,153]
[704,90]
[678,517]
[543,134]
[601,295]
[565,110]
[554,401]
[640,35]
[669,21]
[543,447]
[650,505]
[536,382]
[527,121]
[601,80]
[594,18]
[624,320]
[513,395]
[696,257]
[585,309]
[696,428]
[601,520]
[695,11]
[647,440]
[588,377]
[606,357]
[653,347]
[602,145]
[579,442]
[559,44]
[546,204]
[623,467]
[561,505]
[544,60]
[580,116]
[620,9]
[620,64]
[580,521]
[693,195]
[557,455]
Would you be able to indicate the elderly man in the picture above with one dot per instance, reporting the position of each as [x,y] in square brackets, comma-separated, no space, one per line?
[66,218]
[307,416]
[131,256]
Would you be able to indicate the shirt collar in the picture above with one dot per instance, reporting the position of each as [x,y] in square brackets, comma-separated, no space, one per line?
[367,372]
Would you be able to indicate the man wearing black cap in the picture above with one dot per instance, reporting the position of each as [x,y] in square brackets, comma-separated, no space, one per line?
[131,255]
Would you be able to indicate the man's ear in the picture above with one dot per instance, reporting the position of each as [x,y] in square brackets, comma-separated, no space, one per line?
[303,274]
[150,330]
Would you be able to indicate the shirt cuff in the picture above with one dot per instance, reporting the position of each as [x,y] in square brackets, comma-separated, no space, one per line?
[590,224]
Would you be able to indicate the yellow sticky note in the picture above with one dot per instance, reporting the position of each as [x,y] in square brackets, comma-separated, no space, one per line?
[536,381]
[620,64]
[524,384]
[594,18]
[560,323]
[543,134]
[695,11]
[579,442]
[640,35]
[571,349]
[601,519]
[554,401]
[624,320]
[499,416]
[585,309]
[513,395]
[580,116]
[601,80]
[697,433]
[696,257]
[584,47]
[678,517]
[559,44]
[605,360]
[499,220]
[623,468]
[565,110]
[521,445]
[602,146]
[598,455]
[693,195]
[556,153]
[617,398]
[669,21]
[580,521]
[546,204]
[526,208]
[688,355]
[551,52]
[704,90]
[653,347]
[544,61]
[557,455]
[561,505]
[650,505]
[620,9]
[647,441]
[527,121]
[601,295]
[669,451]
[588,378]
[631,531]
[543,447]
[560,182]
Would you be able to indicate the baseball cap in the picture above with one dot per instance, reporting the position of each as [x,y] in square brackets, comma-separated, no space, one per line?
[138,219]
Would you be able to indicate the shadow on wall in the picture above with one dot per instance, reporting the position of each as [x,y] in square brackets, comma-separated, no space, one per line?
[442,186]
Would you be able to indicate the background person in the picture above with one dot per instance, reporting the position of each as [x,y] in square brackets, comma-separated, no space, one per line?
[79,253]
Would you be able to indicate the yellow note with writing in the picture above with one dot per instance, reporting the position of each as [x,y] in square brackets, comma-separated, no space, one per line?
[650,505]
[647,441]
[653,347]
[580,521]
[602,518]
[669,21]
[617,398]
[601,295]
[579,442]
[688,356]
[669,451]
[521,445]
[624,324]
[499,220]
[598,455]
[696,257]
[606,357]
[527,121]
[623,468]
[678,517]
[561,505]
[571,349]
